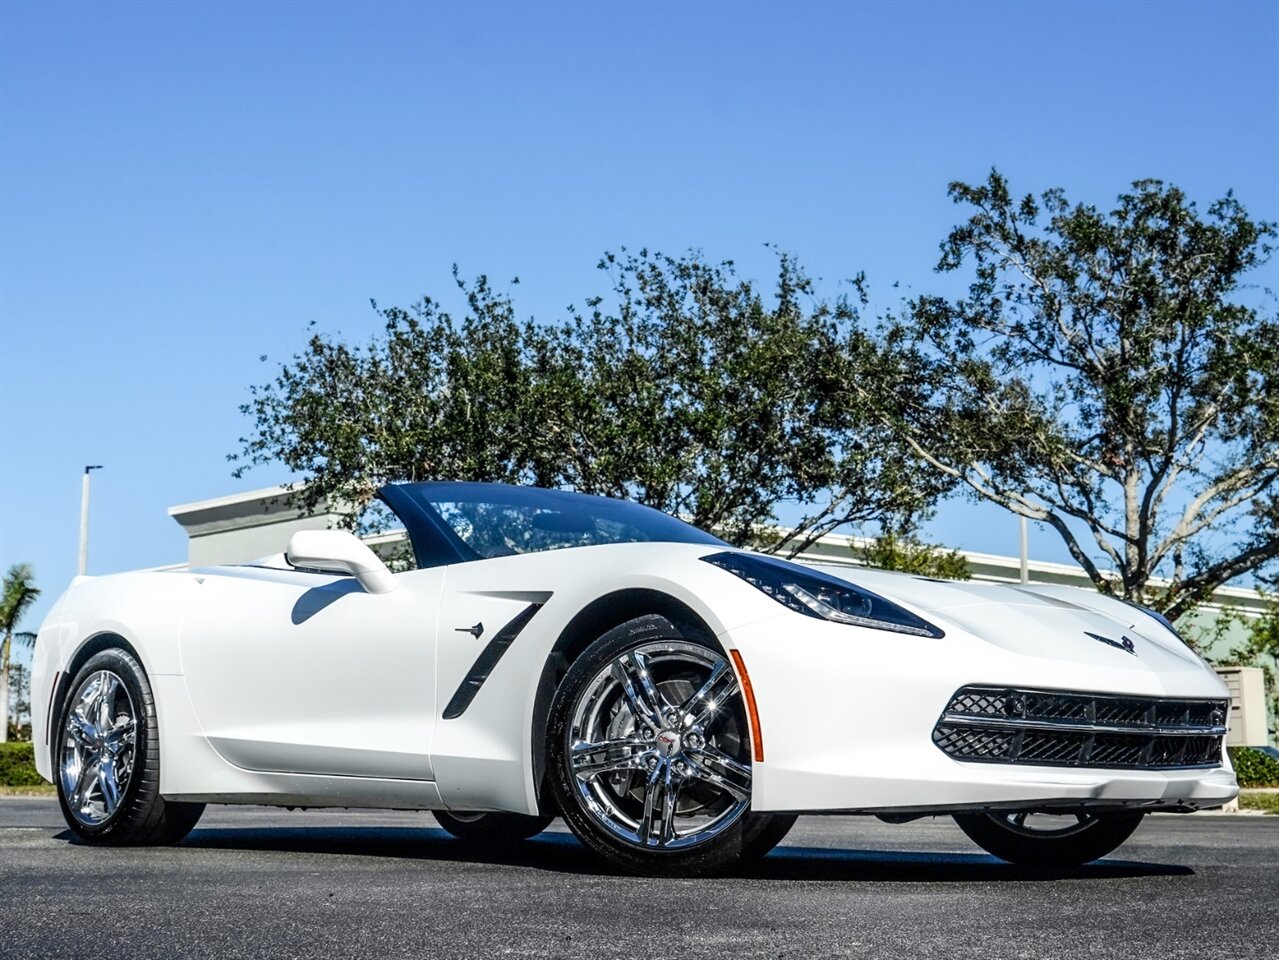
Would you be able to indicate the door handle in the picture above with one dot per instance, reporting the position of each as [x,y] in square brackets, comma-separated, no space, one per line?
[475,631]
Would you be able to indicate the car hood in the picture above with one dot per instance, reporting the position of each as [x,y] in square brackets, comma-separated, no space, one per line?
[1066,623]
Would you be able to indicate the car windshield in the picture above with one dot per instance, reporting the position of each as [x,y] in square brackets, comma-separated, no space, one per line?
[453,522]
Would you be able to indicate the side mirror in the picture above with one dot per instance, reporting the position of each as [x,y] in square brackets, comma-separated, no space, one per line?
[336,551]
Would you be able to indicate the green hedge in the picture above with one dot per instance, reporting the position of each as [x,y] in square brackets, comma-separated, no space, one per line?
[1254,768]
[18,766]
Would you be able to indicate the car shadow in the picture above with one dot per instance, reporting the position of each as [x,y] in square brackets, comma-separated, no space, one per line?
[317,598]
[818,863]
[562,853]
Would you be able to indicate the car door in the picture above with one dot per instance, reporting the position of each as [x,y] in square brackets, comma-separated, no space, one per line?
[298,672]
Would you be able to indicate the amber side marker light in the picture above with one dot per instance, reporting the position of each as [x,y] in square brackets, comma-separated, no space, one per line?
[757,738]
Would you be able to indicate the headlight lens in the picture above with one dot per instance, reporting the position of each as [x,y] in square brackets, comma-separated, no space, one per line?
[815,594]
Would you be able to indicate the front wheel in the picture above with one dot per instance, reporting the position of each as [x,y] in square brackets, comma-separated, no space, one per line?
[1048,840]
[650,759]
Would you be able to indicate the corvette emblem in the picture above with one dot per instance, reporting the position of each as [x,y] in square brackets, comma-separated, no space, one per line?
[1123,643]
[668,743]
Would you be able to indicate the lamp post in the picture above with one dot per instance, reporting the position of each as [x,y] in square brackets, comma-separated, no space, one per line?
[1025,552]
[84,519]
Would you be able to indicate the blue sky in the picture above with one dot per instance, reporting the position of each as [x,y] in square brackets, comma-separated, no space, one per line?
[184,187]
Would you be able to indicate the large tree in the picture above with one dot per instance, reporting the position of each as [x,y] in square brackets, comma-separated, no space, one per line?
[1111,375]
[17,593]
[684,388]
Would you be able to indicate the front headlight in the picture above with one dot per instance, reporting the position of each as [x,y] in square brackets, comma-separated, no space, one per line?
[816,594]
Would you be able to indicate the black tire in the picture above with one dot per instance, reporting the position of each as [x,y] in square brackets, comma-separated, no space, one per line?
[141,816]
[779,824]
[747,837]
[492,829]
[1093,837]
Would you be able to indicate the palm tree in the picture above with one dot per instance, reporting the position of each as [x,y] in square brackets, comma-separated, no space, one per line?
[16,595]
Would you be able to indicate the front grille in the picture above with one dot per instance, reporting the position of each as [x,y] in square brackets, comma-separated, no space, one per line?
[1064,729]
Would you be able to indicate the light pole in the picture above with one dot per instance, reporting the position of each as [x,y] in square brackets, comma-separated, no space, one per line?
[84,519]
[1025,551]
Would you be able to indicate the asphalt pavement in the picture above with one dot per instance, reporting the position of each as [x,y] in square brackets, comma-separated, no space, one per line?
[259,882]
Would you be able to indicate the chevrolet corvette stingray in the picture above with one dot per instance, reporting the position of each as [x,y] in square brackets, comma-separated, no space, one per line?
[676,700]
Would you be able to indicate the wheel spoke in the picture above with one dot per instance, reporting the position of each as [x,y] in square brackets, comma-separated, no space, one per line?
[650,801]
[700,709]
[592,759]
[120,735]
[88,775]
[670,800]
[719,769]
[646,681]
[631,671]
[80,728]
[107,686]
[108,784]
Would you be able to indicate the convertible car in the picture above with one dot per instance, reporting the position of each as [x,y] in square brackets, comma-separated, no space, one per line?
[676,700]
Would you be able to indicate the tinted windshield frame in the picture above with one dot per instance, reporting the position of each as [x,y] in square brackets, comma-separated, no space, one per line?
[435,543]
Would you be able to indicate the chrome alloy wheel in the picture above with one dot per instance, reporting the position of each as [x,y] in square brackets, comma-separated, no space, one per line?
[98,748]
[658,746]
[1044,825]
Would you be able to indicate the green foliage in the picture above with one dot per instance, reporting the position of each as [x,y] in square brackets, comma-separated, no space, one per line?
[901,552]
[1106,375]
[17,593]
[685,389]
[1254,768]
[19,702]
[1265,802]
[18,765]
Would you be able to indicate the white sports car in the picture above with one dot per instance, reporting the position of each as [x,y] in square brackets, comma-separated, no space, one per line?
[678,701]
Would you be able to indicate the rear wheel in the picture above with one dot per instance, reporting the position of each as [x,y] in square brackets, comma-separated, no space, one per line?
[1048,840]
[650,758]
[107,758]
[492,828]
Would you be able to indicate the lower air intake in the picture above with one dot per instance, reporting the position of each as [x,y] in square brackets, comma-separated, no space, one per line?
[1067,729]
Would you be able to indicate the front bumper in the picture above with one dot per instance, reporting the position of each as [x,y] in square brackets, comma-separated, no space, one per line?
[847,716]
